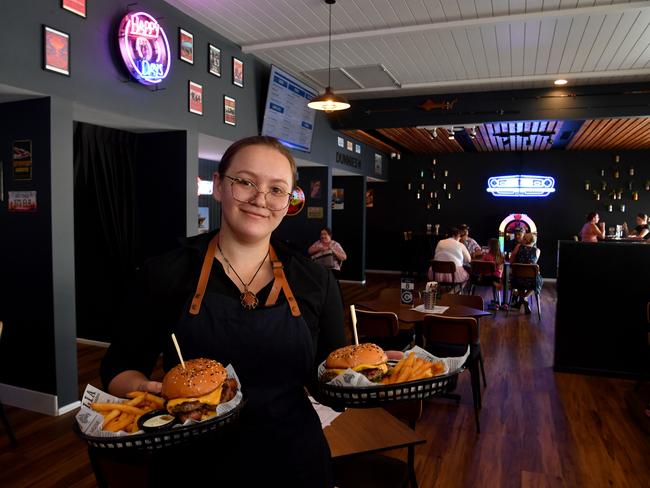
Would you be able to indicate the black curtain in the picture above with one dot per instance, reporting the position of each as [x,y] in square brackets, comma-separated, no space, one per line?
[104,223]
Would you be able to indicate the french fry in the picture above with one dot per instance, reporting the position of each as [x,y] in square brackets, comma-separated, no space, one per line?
[107,407]
[119,423]
[155,401]
[134,394]
[136,401]
[109,416]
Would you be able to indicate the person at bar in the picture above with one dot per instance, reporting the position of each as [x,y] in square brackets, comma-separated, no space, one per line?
[328,251]
[270,312]
[451,249]
[591,231]
[642,229]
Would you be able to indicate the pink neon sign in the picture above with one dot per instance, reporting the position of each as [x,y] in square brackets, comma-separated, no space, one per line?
[144,48]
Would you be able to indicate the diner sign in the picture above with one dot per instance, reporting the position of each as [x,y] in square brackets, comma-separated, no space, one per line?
[521,186]
[144,48]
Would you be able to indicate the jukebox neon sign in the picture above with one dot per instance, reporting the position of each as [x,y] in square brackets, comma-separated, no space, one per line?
[144,48]
[521,186]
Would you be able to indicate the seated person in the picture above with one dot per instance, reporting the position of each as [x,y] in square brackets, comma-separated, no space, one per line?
[642,229]
[471,245]
[591,232]
[451,249]
[527,253]
[327,246]
[495,255]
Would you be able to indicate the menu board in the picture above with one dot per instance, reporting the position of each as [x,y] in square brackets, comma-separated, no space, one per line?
[286,115]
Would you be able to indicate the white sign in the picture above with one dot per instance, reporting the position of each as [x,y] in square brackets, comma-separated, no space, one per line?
[22,201]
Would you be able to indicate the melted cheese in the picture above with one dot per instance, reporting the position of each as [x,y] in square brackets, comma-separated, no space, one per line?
[211,399]
[361,367]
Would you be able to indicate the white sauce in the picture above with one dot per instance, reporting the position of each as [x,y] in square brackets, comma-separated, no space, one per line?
[158,421]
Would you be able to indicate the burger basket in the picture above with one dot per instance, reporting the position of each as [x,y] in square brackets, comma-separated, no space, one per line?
[175,436]
[375,396]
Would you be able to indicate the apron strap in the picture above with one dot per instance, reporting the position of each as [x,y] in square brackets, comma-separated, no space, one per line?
[205,274]
[279,282]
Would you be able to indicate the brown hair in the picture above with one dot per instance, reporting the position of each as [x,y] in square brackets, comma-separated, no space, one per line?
[271,142]
[328,230]
[590,216]
[495,250]
[529,239]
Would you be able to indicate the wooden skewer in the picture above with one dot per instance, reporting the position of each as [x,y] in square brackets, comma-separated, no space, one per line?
[178,350]
[353,314]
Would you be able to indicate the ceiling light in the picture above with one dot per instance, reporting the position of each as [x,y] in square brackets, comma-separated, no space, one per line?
[560,82]
[328,101]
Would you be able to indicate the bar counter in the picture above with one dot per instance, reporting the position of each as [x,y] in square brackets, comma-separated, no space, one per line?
[601,324]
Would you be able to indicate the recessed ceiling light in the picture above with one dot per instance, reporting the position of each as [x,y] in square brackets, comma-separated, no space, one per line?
[560,82]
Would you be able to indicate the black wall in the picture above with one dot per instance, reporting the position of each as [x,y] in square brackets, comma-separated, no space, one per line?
[207,168]
[558,216]
[26,302]
[348,225]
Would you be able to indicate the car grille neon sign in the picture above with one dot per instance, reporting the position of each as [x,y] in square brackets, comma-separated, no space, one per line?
[521,186]
[144,48]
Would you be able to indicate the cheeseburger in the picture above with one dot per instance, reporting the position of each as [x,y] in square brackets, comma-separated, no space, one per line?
[196,390]
[367,359]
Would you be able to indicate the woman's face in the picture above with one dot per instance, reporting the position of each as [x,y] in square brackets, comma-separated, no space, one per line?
[639,220]
[324,236]
[596,219]
[267,168]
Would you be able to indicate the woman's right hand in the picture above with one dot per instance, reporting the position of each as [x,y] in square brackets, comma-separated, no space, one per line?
[131,380]
[150,386]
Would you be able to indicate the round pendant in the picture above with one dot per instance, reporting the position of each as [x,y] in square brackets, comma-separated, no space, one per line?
[248,300]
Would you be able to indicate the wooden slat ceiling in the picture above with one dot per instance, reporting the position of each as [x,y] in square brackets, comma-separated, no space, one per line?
[612,134]
[486,140]
[419,141]
[366,138]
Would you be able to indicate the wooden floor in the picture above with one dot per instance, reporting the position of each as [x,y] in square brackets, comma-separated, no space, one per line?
[538,428]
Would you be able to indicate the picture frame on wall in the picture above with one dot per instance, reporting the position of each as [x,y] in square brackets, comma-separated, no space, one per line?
[75,6]
[185,46]
[237,72]
[229,110]
[214,60]
[56,51]
[195,98]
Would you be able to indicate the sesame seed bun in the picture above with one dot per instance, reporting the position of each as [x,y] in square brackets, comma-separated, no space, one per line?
[352,356]
[198,378]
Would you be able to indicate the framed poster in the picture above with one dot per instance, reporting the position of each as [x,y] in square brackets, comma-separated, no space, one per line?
[338,200]
[21,167]
[22,201]
[204,220]
[56,51]
[214,60]
[340,141]
[75,6]
[349,145]
[237,72]
[229,112]
[357,148]
[195,98]
[315,189]
[378,165]
[186,46]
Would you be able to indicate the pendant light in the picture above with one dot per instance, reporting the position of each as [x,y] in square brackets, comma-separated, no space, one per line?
[328,101]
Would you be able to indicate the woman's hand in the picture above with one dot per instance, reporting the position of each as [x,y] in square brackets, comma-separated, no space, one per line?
[150,386]
[132,380]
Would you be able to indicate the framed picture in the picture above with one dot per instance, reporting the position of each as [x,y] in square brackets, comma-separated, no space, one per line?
[229,113]
[214,60]
[56,51]
[357,148]
[237,72]
[349,145]
[186,46]
[75,6]
[195,98]
[21,166]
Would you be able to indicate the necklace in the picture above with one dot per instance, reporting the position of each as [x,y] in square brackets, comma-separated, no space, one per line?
[247,298]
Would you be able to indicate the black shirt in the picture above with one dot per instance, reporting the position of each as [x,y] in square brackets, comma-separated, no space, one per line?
[165,285]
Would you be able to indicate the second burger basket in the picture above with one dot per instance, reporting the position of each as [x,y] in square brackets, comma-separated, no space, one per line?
[376,396]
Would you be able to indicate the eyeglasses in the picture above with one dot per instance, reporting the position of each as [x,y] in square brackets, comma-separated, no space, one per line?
[244,191]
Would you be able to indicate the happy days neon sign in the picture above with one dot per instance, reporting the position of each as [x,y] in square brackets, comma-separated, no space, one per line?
[144,48]
[521,186]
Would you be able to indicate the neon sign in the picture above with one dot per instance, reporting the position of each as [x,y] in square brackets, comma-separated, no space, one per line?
[521,186]
[144,48]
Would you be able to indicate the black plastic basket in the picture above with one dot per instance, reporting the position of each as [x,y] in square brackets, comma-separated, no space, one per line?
[375,396]
[173,437]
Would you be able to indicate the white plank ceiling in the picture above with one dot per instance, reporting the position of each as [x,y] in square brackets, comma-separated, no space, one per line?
[432,46]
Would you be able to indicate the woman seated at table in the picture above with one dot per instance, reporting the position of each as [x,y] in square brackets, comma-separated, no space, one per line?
[591,231]
[527,253]
[642,229]
[451,249]
[495,255]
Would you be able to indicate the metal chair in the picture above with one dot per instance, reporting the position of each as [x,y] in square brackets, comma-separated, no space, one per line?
[3,415]
[382,328]
[483,275]
[473,301]
[450,336]
[527,272]
[446,268]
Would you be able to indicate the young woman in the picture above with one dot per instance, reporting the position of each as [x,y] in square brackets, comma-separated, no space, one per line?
[495,255]
[641,230]
[591,231]
[528,253]
[237,317]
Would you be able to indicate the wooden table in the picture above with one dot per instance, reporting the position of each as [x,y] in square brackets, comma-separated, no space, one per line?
[370,430]
[389,301]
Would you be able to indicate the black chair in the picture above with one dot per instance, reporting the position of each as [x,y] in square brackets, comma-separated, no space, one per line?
[382,328]
[450,336]
[448,270]
[3,415]
[483,275]
[527,272]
